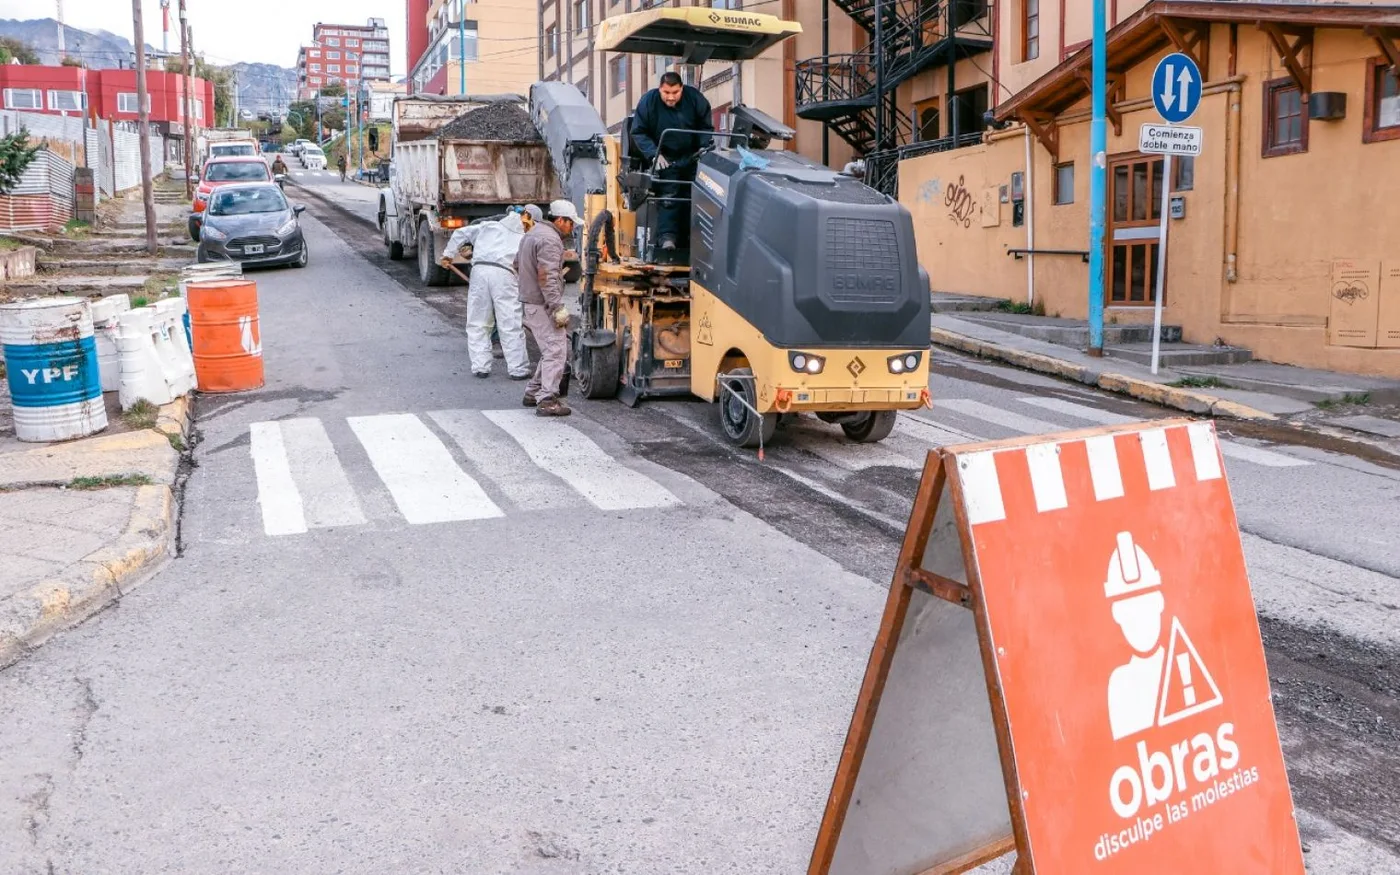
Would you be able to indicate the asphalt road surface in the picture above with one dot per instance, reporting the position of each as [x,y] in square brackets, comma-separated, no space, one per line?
[413,628]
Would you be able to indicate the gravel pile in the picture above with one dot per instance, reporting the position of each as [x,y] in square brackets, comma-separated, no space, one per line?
[495,121]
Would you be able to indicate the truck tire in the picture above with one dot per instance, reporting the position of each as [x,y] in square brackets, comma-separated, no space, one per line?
[741,426]
[871,428]
[429,271]
[392,244]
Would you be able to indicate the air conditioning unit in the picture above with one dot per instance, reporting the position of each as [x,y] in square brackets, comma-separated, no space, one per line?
[1326,106]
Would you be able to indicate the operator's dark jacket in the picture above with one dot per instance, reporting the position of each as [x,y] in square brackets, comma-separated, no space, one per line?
[653,116]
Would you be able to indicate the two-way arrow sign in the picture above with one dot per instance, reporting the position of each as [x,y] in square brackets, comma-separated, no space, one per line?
[1176,87]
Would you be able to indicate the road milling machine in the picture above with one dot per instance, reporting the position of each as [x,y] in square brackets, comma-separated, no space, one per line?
[798,289]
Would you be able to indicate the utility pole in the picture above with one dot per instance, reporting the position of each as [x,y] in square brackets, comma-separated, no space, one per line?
[148,197]
[62,47]
[1098,177]
[165,26]
[186,104]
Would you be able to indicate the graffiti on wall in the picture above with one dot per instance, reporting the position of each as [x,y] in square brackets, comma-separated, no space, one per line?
[961,203]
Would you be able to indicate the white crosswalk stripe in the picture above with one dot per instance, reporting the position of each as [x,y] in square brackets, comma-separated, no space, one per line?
[996,416]
[533,464]
[425,482]
[1231,449]
[570,455]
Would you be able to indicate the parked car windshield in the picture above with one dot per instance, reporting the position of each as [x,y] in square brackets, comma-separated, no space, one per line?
[234,149]
[236,170]
[242,201]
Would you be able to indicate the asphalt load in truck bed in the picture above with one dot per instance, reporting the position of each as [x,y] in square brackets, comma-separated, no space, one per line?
[495,121]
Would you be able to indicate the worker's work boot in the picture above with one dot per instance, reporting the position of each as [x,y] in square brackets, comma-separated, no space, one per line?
[552,407]
[529,401]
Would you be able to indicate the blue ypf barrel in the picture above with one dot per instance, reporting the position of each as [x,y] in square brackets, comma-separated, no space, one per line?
[51,366]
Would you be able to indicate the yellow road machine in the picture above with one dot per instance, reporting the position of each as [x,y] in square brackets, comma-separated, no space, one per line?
[797,290]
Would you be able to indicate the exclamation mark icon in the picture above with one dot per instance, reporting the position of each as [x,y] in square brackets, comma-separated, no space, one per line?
[1183,665]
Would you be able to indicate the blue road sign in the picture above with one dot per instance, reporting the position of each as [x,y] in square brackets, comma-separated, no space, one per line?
[1176,88]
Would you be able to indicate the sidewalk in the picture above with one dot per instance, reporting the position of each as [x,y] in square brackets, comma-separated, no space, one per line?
[84,521]
[1250,390]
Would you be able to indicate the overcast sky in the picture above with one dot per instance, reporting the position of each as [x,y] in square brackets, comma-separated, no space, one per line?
[227,31]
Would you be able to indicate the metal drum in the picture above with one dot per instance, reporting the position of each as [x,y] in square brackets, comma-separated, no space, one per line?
[227,338]
[51,362]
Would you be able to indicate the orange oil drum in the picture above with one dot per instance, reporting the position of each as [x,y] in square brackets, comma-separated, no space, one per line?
[227,337]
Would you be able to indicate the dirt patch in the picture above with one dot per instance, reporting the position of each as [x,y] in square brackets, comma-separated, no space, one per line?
[496,121]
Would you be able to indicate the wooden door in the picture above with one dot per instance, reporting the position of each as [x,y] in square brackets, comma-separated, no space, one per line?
[1134,214]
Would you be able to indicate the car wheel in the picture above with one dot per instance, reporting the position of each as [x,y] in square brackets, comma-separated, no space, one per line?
[303,258]
[193,228]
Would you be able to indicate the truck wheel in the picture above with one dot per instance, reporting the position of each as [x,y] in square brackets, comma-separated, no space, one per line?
[872,427]
[741,426]
[393,245]
[597,370]
[429,271]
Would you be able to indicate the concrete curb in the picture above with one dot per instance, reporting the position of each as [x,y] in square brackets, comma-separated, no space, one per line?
[107,574]
[1144,390]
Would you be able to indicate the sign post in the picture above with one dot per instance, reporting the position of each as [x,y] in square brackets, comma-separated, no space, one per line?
[1176,93]
[1069,666]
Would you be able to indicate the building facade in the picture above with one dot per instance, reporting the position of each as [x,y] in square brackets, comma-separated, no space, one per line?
[490,51]
[343,53]
[1284,233]
[109,95]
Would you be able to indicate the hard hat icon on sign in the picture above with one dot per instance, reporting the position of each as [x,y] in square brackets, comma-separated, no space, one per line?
[1158,685]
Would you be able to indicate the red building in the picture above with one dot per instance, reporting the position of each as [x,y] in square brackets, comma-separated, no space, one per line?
[109,95]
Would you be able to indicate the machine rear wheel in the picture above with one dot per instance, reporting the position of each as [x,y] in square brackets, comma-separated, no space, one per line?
[872,427]
[429,271]
[597,369]
[740,424]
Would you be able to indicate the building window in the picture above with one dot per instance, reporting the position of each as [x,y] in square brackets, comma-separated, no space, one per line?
[126,102]
[581,15]
[198,110]
[551,41]
[930,120]
[1285,119]
[24,98]
[352,43]
[67,101]
[332,56]
[617,75]
[352,68]
[1064,183]
[1382,120]
[661,63]
[1030,30]
[719,117]
[727,4]
[472,49]
[1184,169]
[333,68]
[351,56]
[333,42]
[315,68]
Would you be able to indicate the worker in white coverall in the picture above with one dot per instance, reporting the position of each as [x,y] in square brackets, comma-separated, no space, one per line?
[492,294]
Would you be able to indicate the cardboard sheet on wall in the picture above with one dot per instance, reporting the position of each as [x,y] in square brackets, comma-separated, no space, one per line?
[1355,299]
[1388,321]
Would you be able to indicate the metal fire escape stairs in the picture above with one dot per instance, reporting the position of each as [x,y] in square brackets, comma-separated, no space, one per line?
[853,93]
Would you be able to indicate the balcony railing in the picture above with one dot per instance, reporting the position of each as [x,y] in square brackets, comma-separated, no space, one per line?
[837,79]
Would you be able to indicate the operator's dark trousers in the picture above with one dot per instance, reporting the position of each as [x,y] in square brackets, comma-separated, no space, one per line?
[674,216]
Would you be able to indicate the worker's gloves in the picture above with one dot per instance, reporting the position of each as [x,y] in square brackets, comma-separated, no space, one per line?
[561,317]
[445,261]
[660,163]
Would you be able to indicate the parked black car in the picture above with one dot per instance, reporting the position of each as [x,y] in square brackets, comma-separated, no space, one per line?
[253,224]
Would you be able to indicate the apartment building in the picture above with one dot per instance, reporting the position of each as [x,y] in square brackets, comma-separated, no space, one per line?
[1283,232]
[343,53]
[480,47]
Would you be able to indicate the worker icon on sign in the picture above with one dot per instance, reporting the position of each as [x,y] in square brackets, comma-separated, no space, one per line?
[1159,684]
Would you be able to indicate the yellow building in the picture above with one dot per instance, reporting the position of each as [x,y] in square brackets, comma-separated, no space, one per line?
[1284,236]
[497,56]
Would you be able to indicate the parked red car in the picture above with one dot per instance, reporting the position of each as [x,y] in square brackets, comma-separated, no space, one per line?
[224,171]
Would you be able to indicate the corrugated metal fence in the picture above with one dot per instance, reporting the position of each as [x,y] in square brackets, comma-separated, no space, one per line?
[43,198]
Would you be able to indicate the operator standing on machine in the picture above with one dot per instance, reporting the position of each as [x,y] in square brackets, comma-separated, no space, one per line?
[672,105]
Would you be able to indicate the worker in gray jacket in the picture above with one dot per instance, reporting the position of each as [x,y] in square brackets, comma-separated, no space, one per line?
[539,268]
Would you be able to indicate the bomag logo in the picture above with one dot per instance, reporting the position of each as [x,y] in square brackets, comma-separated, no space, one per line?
[858,282]
[736,20]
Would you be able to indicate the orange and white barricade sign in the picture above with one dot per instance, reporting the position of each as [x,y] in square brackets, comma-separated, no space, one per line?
[1107,675]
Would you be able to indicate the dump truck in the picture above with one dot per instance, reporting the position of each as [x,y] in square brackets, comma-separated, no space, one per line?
[448,171]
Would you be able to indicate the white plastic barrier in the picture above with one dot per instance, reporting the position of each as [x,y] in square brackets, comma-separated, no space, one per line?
[104,324]
[173,346]
[142,368]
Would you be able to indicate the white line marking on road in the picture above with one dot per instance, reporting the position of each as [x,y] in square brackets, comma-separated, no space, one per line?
[1080,411]
[503,462]
[570,455]
[282,510]
[921,429]
[427,485]
[1157,458]
[997,416]
[981,488]
[1259,456]
[827,442]
[833,495]
[327,497]
[1047,480]
[1103,467]
[1204,451]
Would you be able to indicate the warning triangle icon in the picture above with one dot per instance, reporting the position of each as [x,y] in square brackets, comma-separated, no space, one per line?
[1187,687]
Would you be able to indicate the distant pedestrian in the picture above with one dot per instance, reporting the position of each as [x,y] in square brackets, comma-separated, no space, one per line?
[539,266]
[341,163]
[493,296]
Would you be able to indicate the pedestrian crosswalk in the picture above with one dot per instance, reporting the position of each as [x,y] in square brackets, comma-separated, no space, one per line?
[514,461]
